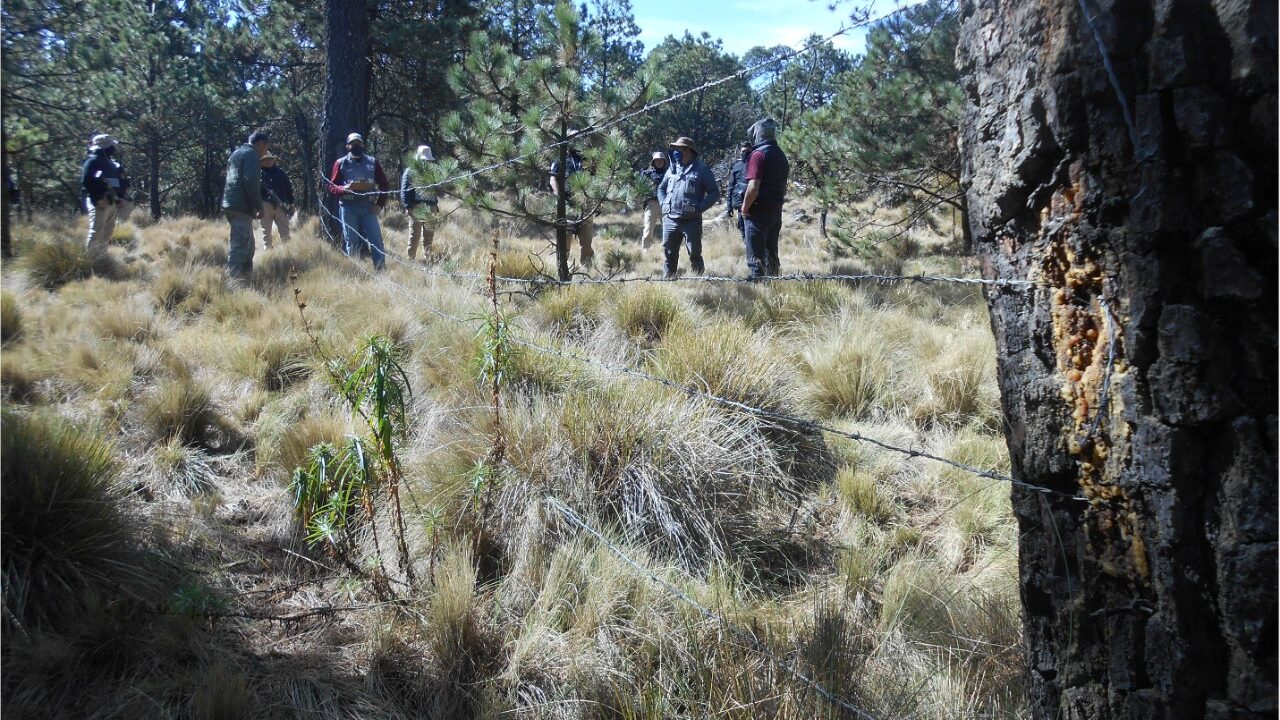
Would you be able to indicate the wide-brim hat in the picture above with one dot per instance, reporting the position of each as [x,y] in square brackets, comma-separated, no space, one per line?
[686,143]
[100,142]
[424,153]
[353,137]
[658,155]
[269,156]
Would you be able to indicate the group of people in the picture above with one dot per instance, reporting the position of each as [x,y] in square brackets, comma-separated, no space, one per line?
[683,189]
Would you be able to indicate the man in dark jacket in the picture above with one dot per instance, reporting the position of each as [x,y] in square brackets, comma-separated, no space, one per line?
[100,185]
[277,200]
[420,206]
[735,186]
[354,179]
[686,191]
[584,229]
[242,201]
[767,174]
[652,219]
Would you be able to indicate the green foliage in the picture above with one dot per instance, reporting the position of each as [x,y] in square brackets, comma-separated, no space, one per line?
[67,540]
[327,493]
[798,84]
[377,388]
[889,135]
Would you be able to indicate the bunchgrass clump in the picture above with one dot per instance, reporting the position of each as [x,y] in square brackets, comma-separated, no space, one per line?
[69,542]
[10,318]
[647,313]
[182,410]
[53,264]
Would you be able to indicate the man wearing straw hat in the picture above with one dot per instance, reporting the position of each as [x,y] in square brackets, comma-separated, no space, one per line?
[419,205]
[100,183]
[277,200]
[242,201]
[686,191]
[652,219]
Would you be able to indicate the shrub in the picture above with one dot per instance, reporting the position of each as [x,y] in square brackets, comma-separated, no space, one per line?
[647,313]
[53,264]
[68,541]
[10,318]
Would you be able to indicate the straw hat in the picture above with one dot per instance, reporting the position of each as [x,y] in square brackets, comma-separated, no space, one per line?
[684,142]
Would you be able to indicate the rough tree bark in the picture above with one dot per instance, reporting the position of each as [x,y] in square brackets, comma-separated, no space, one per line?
[346,90]
[1151,187]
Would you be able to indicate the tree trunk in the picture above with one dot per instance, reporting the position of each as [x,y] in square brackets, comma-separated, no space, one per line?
[562,223]
[153,175]
[310,174]
[346,89]
[1157,598]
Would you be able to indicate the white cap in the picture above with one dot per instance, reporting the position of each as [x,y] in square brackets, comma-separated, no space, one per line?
[102,141]
[424,153]
[353,137]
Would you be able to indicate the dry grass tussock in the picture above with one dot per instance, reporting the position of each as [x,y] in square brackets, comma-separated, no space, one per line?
[154,415]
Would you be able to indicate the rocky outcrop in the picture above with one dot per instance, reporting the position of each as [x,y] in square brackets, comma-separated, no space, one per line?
[1125,155]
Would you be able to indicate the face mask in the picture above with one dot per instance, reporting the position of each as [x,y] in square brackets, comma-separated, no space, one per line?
[357,151]
[677,156]
[108,152]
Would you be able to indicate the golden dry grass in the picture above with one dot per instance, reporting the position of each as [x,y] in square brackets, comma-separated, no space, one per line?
[892,581]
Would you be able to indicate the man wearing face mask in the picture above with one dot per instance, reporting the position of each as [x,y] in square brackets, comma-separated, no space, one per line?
[355,175]
[100,185]
[652,219]
[686,191]
[767,174]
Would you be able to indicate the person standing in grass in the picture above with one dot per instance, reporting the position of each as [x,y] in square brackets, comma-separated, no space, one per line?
[686,191]
[100,185]
[277,200]
[584,229]
[652,218]
[767,173]
[735,186]
[354,176]
[420,207]
[242,201]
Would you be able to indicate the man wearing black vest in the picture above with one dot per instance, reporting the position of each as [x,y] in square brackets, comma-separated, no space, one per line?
[767,173]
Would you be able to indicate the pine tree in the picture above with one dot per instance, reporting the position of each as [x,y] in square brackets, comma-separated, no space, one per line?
[515,107]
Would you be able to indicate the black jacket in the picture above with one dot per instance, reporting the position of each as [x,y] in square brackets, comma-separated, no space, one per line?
[774,172]
[276,188]
[98,177]
[736,185]
[654,175]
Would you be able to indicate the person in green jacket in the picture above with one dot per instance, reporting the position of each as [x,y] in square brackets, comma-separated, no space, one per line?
[242,201]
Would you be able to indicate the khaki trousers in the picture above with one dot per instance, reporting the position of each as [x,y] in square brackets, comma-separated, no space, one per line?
[102,222]
[651,223]
[420,230]
[277,214]
[585,231]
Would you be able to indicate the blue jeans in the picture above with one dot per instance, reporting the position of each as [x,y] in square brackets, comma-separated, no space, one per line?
[673,231]
[760,235]
[360,226]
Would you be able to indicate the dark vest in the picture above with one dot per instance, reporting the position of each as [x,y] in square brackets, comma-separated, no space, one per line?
[774,171]
[358,169]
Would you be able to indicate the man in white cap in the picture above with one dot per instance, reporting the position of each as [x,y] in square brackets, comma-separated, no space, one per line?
[242,201]
[354,178]
[100,184]
[686,191]
[652,219]
[277,200]
[419,205]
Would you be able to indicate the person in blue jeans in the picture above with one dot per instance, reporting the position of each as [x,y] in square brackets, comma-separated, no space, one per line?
[686,191]
[355,176]
[767,174]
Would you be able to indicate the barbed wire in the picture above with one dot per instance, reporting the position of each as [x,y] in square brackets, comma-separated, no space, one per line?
[749,637]
[627,117]
[797,422]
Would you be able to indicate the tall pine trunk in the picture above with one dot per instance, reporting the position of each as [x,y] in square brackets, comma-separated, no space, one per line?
[346,89]
[1157,597]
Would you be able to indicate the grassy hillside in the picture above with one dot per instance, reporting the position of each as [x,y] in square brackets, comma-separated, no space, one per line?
[154,416]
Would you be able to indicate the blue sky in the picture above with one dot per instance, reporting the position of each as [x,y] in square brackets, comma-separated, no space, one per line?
[743,24]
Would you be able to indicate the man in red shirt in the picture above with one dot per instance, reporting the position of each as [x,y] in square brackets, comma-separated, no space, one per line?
[355,175]
[767,173]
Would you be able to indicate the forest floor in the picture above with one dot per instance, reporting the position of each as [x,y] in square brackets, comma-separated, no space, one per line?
[891,582]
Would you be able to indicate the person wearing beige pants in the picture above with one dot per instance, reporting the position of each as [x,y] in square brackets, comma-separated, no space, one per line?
[652,219]
[102,222]
[277,200]
[419,206]
[100,183]
[278,214]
